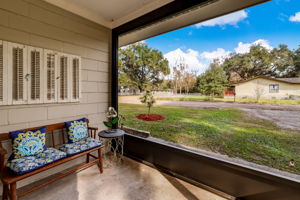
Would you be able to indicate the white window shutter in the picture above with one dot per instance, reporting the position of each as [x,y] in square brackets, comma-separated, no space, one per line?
[3,73]
[75,78]
[64,78]
[50,76]
[17,73]
[35,75]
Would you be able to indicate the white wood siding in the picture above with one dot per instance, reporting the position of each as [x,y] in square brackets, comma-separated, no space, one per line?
[38,24]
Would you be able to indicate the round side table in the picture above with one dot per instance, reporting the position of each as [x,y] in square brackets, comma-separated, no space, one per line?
[114,140]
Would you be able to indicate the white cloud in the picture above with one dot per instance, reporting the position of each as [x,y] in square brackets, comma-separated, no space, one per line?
[190,57]
[245,47]
[295,18]
[200,61]
[220,54]
[230,19]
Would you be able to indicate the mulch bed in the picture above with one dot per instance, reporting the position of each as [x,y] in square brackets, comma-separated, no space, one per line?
[150,117]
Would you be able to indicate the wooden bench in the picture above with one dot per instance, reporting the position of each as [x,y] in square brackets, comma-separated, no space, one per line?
[9,179]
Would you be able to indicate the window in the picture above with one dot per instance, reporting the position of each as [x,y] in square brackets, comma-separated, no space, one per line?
[17,65]
[30,75]
[64,76]
[3,71]
[75,63]
[50,76]
[274,88]
[34,75]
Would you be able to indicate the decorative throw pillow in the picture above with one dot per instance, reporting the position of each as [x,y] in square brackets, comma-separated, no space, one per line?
[76,130]
[28,143]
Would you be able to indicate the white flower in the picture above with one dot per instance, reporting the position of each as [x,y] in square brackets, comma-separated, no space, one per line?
[112,112]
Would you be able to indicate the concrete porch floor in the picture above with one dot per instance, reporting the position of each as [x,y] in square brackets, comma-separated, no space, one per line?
[129,180]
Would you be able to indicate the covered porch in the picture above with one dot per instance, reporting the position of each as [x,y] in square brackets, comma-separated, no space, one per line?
[127,180]
[94,31]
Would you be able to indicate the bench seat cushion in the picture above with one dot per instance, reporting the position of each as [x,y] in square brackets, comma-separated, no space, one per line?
[80,146]
[29,163]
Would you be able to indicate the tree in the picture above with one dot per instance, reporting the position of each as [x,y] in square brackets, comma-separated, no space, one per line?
[283,61]
[189,80]
[213,81]
[178,75]
[295,72]
[148,99]
[259,91]
[145,67]
[258,62]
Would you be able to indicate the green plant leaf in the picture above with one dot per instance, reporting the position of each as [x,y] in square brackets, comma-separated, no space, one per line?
[107,124]
[115,120]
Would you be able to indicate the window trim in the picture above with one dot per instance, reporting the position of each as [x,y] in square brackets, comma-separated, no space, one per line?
[10,79]
[272,90]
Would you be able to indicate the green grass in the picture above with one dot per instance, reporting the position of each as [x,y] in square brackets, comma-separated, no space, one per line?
[228,131]
[218,99]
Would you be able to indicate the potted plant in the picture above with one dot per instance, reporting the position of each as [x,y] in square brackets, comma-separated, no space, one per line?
[114,120]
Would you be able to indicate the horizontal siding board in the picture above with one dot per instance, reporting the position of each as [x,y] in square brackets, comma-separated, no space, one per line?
[45,16]
[39,28]
[86,109]
[27,115]
[63,13]
[89,86]
[89,64]
[17,6]
[13,35]
[4,16]
[103,87]
[46,43]
[98,76]
[97,97]
[103,66]
[3,117]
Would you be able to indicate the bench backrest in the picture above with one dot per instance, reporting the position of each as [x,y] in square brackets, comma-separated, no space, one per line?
[52,129]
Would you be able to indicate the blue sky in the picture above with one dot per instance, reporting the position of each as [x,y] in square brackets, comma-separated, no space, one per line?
[269,24]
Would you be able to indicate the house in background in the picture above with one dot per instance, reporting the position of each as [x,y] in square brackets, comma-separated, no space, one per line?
[268,88]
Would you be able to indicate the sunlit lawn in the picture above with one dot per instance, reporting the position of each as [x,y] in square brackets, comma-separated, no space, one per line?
[246,100]
[228,131]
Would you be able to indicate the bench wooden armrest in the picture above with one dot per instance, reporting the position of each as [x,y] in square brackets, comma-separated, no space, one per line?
[3,152]
[92,131]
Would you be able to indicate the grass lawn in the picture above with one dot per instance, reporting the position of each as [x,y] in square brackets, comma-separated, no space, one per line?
[228,131]
[205,98]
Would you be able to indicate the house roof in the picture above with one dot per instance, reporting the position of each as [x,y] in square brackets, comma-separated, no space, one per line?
[295,80]
[290,80]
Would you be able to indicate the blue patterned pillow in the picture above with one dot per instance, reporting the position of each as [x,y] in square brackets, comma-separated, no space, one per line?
[28,143]
[76,130]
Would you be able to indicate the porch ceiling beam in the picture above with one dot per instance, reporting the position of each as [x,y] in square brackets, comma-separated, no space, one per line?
[159,14]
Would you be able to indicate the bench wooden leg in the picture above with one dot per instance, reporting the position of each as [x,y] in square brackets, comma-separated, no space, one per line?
[87,158]
[13,191]
[100,161]
[5,192]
